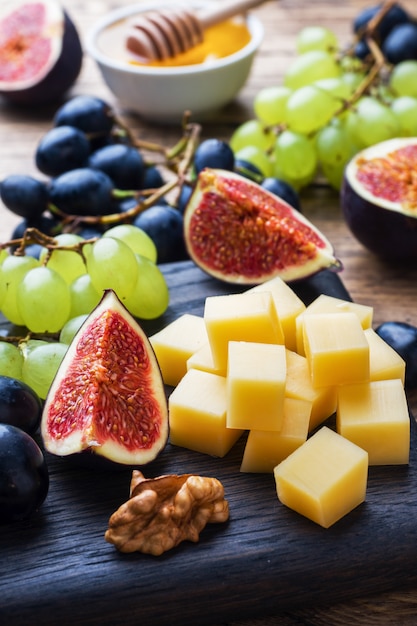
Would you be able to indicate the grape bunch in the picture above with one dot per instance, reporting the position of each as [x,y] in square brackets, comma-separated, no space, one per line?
[92,175]
[334,102]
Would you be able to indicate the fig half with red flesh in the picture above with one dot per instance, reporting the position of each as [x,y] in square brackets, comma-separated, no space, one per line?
[239,232]
[379,199]
[40,51]
[108,396]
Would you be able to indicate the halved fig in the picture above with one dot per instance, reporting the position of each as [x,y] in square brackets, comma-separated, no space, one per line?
[239,232]
[379,198]
[40,51]
[107,396]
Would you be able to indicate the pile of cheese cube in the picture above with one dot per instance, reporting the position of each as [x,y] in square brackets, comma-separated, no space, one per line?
[262,362]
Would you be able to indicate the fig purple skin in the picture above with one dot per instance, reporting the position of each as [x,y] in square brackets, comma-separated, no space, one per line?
[378,200]
[389,234]
[60,77]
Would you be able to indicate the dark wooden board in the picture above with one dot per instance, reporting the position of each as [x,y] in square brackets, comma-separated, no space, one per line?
[57,568]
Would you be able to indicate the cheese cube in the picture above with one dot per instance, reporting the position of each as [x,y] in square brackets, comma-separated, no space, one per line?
[240,317]
[336,349]
[202,359]
[384,362]
[197,414]
[175,343]
[265,449]
[255,385]
[324,479]
[298,385]
[330,304]
[287,304]
[375,416]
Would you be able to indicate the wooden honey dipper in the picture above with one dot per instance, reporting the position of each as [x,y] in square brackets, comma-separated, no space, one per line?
[162,34]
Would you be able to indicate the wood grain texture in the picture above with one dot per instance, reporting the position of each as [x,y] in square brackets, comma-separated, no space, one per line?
[57,567]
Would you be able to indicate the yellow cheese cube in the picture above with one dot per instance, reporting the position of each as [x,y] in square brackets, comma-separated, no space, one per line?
[265,449]
[240,317]
[324,479]
[256,376]
[287,304]
[375,416]
[330,304]
[298,385]
[174,344]
[197,414]
[202,359]
[384,362]
[336,349]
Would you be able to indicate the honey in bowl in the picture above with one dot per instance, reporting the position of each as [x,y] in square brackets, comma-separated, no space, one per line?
[220,40]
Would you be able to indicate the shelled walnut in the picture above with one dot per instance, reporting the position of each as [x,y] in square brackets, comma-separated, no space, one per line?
[164,511]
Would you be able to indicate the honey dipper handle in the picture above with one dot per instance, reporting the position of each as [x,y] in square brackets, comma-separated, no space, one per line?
[221,11]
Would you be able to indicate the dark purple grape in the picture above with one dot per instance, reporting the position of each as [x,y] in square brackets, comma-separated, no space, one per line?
[283,190]
[24,476]
[83,191]
[62,149]
[24,195]
[362,50]
[401,44]
[47,224]
[124,164]
[394,16]
[402,337]
[214,153]
[19,405]
[88,113]
[184,196]
[164,225]
[247,169]
[152,178]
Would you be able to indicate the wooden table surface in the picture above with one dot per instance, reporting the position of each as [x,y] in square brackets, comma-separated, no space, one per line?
[391,291]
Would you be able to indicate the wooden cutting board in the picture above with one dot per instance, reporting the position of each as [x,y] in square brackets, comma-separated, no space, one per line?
[57,568]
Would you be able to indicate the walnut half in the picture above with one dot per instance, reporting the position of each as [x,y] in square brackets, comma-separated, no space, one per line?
[164,511]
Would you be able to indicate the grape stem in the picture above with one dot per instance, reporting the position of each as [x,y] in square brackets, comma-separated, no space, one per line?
[35,236]
[177,160]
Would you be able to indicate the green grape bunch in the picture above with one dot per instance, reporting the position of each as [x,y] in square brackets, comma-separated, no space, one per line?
[332,103]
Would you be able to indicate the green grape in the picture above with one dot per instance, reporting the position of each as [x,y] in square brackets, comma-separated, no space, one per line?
[336,87]
[270,103]
[135,238]
[41,365]
[252,133]
[405,110]
[257,157]
[11,360]
[70,328]
[333,144]
[353,80]
[150,296]
[14,269]
[310,67]
[334,172]
[334,149]
[68,263]
[28,345]
[310,108]
[295,158]
[375,122]
[316,38]
[403,79]
[84,297]
[43,300]
[3,255]
[112,265]
[3,288]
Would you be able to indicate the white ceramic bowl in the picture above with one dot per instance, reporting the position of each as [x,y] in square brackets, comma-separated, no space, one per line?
[164,94]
